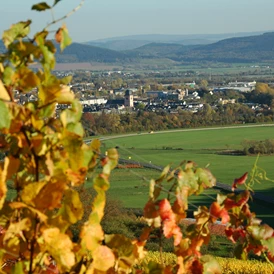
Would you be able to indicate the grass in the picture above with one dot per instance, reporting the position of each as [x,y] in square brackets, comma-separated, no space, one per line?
[199,146]
[131,186]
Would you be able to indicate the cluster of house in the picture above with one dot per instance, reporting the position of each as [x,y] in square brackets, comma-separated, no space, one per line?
[238,86]
[171,100]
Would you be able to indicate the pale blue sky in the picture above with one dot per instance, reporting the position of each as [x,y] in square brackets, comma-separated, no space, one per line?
[108,18]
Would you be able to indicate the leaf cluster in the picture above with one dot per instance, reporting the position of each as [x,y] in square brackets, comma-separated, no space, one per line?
[47,163]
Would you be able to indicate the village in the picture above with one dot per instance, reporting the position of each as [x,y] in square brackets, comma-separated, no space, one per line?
[121,95]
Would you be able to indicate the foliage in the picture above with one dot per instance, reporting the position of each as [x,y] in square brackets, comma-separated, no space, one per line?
[48,161]
[145,121]
[258,147]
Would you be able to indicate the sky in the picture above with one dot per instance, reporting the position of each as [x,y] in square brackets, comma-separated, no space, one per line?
[99,19]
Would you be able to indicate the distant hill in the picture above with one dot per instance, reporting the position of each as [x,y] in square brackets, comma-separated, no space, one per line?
[258,48]
[86,53]
[135,41]
[155,50]
[119,45]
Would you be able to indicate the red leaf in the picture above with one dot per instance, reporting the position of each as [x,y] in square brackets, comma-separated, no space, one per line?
[235,234]
[239,181]
[165,210]
[150,210]
[216,212]
[170,227]
[196,267]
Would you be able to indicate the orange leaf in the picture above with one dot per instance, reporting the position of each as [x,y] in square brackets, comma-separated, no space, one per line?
[239,181]
[216,212]
[165,210]
[170,228]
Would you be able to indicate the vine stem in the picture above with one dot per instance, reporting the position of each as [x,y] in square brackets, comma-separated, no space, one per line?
[161,244]
[32,244]
[65,16]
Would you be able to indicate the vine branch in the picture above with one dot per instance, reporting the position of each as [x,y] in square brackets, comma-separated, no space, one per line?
[65,16]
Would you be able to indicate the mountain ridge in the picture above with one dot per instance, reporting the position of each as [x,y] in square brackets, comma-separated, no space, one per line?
[256,48]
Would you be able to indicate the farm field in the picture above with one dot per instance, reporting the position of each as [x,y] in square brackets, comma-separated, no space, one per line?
[205,147]
[202,147]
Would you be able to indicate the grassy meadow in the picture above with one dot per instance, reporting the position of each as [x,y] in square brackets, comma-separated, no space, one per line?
[201,146]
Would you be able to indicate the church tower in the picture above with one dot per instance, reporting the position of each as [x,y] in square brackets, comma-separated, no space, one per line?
[129,99]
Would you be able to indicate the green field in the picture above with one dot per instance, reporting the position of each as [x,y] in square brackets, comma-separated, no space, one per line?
[201,146]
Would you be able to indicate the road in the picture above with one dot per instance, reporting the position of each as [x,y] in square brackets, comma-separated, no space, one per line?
[181,130]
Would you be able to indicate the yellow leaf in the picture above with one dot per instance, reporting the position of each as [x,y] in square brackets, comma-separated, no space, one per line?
[50,196]
[72,206]
[66,96]
[17,205]
[60,247]
[91,236]
[16,229]
[18,30]
[11,166]
[26,79]
[3,92]
[30,192]
[103,258]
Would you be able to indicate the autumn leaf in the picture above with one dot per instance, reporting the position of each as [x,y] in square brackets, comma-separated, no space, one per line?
[239,181]
[16,229]
[170,227]
[216,211]
[62,37]
[210,265]
[41,6]
[103,258]
[4,95]
[91,236]
[59,246]
[18,30]
[72,208]
[5,120]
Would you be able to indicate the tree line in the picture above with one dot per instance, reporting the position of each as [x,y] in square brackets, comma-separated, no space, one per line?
[108,123]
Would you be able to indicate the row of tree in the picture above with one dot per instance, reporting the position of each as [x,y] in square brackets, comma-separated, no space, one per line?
[104,123]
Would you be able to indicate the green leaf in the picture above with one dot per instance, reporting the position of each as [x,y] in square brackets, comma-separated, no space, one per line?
[260,232]
[5,116]
[112,161]
[19,30]
[72,206]
[47,111]
[154,268]
[119,243]
[41,6]
[205,177]
[211,265]
[240,252]
[7,75]
[76,129]
[56,2]
[71,115]
[62,37]
[18,268]
[269,243]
